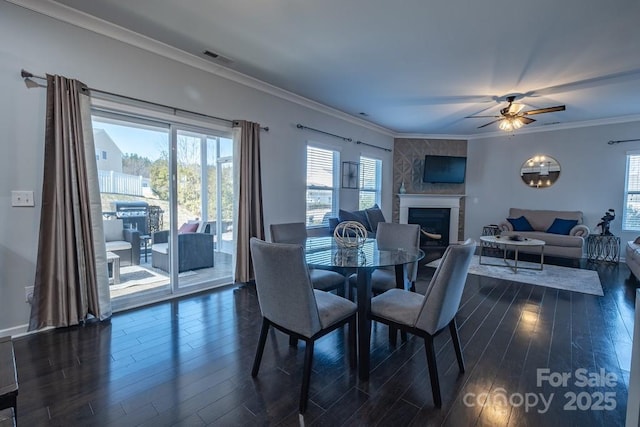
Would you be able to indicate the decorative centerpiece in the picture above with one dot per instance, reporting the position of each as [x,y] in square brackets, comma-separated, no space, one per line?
[350,234]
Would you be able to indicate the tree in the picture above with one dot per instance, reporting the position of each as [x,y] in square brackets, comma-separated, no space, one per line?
[159,177]
[134,164]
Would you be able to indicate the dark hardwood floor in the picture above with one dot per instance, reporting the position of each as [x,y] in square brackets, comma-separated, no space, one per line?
[188,362]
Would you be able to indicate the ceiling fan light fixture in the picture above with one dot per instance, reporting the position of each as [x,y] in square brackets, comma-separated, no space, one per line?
[510,124]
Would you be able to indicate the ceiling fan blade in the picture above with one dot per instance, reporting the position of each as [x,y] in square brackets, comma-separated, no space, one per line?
[526,120]
[545,110]
[490,123]
[480,117]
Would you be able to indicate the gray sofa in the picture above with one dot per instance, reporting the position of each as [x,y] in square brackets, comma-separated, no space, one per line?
[369,218]
[632,253]
[570,245]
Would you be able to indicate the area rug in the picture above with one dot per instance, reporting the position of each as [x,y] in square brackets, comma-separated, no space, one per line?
[135,275]
[552,276]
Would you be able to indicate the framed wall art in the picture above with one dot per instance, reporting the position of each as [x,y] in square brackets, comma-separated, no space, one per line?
[350,175]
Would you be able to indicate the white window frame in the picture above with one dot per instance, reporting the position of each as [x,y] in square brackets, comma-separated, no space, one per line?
[631,189]
[377,189]
[335,188]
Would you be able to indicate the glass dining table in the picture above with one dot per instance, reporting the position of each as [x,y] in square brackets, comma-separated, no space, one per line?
[324,253]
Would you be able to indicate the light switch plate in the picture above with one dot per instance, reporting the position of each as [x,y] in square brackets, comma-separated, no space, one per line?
[22,198]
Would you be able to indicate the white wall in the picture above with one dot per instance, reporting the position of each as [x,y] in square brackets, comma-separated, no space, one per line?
[43,45]
[592,176]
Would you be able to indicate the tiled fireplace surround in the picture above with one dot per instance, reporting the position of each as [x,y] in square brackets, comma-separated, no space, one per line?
[408,159]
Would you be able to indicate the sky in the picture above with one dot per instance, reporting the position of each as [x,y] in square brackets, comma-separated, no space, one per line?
[144,140]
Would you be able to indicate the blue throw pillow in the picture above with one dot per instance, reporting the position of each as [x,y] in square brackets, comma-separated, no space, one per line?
[374,216]
[520,224]
[359,216]
[562,226]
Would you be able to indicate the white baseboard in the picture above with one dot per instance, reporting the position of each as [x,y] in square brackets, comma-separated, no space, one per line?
[21,330]
[15,331]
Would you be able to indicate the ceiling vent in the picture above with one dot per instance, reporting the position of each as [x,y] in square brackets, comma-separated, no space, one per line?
[216,57]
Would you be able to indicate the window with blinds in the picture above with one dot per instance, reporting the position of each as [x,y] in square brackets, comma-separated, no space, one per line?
[370,182]
[631,211]
[322,167]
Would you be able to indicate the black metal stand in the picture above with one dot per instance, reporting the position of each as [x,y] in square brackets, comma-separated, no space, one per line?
[605,248]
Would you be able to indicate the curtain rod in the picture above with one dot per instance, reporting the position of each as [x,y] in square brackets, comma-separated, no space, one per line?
[622,140]
[299,126]
[26,75]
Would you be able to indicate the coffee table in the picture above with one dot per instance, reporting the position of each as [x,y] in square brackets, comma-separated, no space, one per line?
[505,243]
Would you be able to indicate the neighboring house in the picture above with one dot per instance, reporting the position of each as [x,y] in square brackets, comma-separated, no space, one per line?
[108,155]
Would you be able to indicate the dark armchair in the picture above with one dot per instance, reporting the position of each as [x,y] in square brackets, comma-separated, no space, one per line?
[195,251]
[123,242]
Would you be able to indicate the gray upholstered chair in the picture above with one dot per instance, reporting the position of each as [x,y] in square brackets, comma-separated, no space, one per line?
[296,232]
[391,235]
[428,315]
[289,303]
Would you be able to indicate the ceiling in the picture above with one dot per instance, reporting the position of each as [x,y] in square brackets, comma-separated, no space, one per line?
[415,66]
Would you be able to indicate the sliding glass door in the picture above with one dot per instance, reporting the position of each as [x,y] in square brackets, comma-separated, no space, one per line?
[204,207]
[163,186]
[133,169]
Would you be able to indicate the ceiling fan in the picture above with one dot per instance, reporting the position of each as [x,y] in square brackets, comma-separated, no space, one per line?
[512,117]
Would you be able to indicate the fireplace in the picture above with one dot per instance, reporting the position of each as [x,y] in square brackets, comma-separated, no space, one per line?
[449,203]
[431,220]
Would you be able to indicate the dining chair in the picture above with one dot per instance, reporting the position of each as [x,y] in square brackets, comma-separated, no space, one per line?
[289,303]
[390,235]
[426,316]
[296,232]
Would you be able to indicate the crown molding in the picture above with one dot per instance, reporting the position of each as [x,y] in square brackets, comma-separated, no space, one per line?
[562,126]
[88,22]
[91,23]
[521,131]
[430,136]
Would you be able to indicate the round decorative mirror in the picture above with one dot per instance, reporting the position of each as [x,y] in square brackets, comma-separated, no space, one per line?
[540,171]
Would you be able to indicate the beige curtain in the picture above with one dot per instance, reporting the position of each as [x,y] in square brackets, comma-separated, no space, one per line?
[70,286]
[249,220]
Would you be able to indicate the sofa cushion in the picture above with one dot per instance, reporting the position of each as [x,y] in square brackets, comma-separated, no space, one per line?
[162,248]
[520,224]
[112,229]
[359,216]
[374,216]
[562,226]
[117,245]
[190,227]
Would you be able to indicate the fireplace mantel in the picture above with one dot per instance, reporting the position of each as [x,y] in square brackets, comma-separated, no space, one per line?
[451,201]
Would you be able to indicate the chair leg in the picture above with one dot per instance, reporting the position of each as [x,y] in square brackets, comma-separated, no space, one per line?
[306,376]
[453,328]
[351,337]
[261,342]
[433,370]
[393,336]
